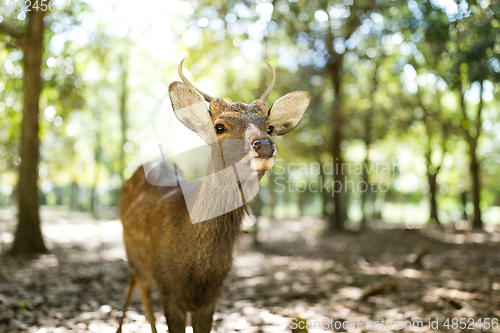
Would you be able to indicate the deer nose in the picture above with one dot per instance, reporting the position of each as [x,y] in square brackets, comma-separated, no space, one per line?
[264,148]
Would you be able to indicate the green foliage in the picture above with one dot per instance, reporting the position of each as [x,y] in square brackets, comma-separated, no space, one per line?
[407,77]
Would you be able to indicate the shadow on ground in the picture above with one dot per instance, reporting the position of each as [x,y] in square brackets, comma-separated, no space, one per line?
[401,276]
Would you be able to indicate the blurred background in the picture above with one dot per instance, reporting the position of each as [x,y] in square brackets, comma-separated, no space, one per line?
[404,101]
[403,95]
[384,202]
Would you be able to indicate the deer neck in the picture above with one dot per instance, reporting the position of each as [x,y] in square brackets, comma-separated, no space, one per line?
[219,198]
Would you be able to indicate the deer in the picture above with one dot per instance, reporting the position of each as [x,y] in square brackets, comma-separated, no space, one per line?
[184,249]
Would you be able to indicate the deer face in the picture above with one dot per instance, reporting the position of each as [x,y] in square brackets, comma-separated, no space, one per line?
[252,125]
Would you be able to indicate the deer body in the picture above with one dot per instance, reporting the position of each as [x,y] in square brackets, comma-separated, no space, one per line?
[189,266]
[186,261]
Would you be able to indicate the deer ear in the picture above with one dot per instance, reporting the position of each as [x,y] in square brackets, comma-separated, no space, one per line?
[190,108]
[287,112]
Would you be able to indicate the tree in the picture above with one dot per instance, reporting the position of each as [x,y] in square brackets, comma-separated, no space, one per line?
[437,131]
[28,237]
[123,61]
[325,29]
[475,54]
[430,112]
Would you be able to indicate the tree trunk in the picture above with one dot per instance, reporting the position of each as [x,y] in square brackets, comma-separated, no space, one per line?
[477,222]
[432,199]
[93,202]
[302,200]
[432,173]
[123,112]
[28,238]
[337,219]
[365,175]
[378,205]
[367,138]
[463,198]
[325,196]
[472,139]
[319,190]
[94,198]
[365,194]
[74,203]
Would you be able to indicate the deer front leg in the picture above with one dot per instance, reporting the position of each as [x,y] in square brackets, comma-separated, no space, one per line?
[202,320]
[175,316]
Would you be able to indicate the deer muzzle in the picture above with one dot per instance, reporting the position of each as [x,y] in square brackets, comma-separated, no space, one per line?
[263,148]
[264,152]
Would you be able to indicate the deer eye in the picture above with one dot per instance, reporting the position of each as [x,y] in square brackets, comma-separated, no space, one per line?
[219,128]
[270,130]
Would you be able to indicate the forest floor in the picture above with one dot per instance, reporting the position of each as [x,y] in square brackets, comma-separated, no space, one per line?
[378,280]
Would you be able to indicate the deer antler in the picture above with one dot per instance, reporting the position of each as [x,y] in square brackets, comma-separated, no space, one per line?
[271,85]
[207,97]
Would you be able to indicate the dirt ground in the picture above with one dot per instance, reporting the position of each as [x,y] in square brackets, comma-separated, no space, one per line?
[385,279]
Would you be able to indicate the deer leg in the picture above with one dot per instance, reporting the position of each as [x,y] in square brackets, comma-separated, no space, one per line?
[145,291]
[175,316]
[129,292]
[202,320]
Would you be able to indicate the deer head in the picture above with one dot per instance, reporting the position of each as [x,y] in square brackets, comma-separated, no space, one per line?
[253,125]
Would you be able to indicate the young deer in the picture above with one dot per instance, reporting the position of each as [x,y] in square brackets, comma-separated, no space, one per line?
[187,261]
